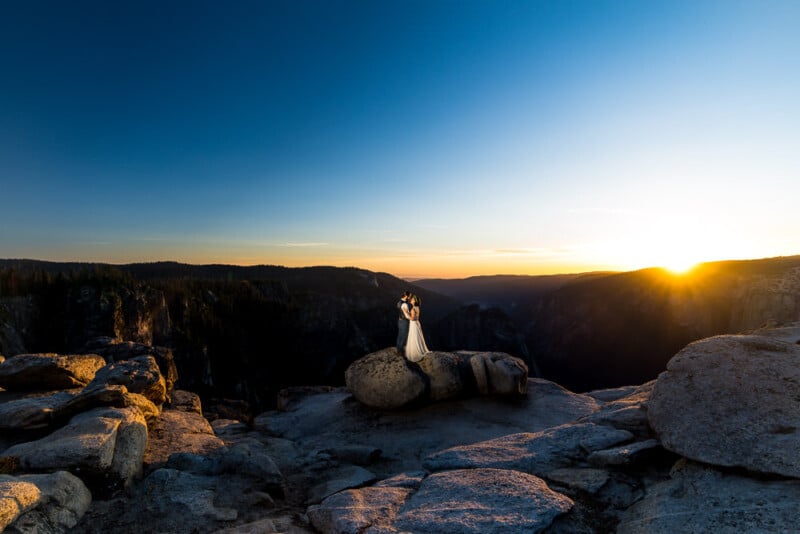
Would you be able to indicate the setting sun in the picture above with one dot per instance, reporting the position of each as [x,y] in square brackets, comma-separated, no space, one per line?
[680,266]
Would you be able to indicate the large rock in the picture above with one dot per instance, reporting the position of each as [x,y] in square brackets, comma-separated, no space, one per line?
[104,446]
[114,351]
[702,499]
[250,458]
[177,431]
[358,510]
[628,412]
[63,501]
[535,453]
[139,375]
[186,401]
[732,401]
[17,496]
[483,501]
[106,395]
[446,374]
[497,373]
[344,478]
[167,492]
[37,411]
[385,379]
[32,412]
[42,372]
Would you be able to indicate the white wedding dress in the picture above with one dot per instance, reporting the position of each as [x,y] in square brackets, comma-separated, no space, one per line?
[415,345]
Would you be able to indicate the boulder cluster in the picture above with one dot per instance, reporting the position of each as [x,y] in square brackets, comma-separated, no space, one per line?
[385,379]
[80,432]
[464,442]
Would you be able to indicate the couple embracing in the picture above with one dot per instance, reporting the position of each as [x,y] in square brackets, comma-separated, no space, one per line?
[410,341]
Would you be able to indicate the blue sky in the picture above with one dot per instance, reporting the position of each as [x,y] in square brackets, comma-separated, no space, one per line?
[417,138]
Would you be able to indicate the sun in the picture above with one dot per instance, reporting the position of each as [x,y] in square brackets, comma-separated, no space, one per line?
[680,267]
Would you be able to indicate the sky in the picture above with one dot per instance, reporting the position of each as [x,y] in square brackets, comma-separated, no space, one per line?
[419,138]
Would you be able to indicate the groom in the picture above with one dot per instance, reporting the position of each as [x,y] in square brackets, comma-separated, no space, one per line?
[402,322]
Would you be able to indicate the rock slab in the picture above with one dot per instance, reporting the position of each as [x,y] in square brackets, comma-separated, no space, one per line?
[481,501]
[535,453]
[701,499]
[47,372]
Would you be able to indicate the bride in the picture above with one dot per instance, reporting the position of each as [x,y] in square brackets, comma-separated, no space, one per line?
[415,345]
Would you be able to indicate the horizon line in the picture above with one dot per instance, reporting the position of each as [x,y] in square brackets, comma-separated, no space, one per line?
[406,278]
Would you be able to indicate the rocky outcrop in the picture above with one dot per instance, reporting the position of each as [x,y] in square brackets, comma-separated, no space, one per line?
[732,401]
[45,372]
[699,498]
[105,445]
[548,461]
[92,434]
[385,379]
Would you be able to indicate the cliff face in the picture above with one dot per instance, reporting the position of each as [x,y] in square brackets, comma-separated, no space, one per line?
[68,316]
[235,332]
[480,329]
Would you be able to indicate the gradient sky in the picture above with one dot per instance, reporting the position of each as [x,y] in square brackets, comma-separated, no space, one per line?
[420,138]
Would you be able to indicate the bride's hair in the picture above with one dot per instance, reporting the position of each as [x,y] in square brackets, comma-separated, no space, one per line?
[415,300]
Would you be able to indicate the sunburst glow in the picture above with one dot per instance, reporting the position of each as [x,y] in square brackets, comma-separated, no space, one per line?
[680,266]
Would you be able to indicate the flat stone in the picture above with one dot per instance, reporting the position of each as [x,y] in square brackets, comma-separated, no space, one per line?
[481,501]
[359,510]
[167,491]
[48,371]
[701,499]
[535,453]
[32,413]
[622,455]
[249,457]
[410,480]
[611,394]
[344,478]
[176,431]
[582,478]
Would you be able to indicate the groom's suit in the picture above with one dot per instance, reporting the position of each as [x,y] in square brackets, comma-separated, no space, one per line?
[402,327]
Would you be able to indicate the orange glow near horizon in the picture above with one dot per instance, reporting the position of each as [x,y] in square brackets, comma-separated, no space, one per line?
[426,263]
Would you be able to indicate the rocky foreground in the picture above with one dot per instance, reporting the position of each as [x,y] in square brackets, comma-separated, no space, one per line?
[464,442]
